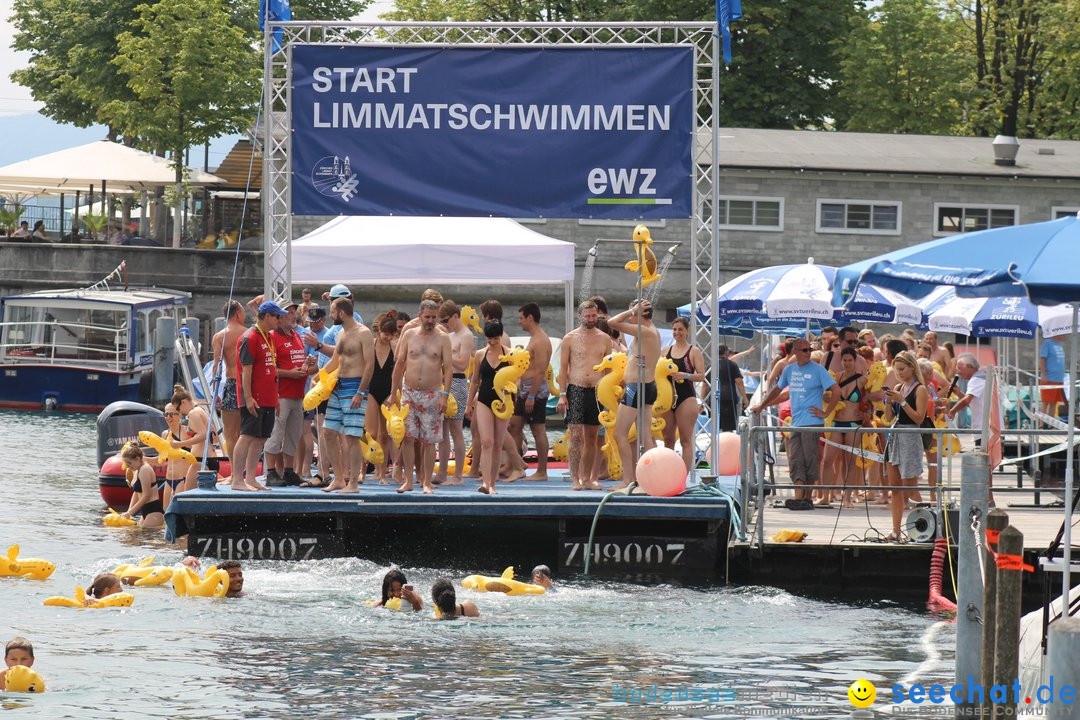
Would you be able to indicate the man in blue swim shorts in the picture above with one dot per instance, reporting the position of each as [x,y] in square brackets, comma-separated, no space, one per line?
[354,359]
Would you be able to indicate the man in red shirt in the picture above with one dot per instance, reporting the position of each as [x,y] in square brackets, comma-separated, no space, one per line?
[257,395]
[293,369]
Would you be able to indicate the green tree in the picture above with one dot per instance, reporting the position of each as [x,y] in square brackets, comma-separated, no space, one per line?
[194,75]
[903,71]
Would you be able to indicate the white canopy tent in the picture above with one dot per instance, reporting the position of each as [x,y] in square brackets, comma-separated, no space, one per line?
[362,250]
[119,166]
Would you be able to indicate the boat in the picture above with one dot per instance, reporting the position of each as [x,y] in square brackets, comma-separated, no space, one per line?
[81,349]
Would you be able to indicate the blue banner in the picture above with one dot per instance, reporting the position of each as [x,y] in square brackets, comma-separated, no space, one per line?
[512,132]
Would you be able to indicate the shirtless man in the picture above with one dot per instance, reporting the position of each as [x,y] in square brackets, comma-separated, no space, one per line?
[423,365]
[224,344]
[582,348]
[462,345]
[533,391]
[645,352]
[306,306]
[939,355]
[354,359]
[407,323]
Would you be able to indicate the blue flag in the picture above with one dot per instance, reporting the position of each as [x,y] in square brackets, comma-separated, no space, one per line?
[273,11]
[726,12]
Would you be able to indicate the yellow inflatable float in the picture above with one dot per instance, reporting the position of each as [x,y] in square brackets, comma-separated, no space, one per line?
[371,449]
[451,465]
[506,382]
[560,449]
[609,390]
[115,520]
[471,319]
[395,420]
[30,568]
[391,604]
[320,391]
[165,450]
[147,573]
[553,387]
[451,406]
[645,262]
[187,583]
[875,380]
[665,387]
[80,599]
[505,584]
[19,678]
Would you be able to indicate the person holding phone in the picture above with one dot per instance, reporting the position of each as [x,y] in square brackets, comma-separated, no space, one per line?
[395,590]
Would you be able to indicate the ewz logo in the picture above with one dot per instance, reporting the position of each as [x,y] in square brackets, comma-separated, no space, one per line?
[332,176]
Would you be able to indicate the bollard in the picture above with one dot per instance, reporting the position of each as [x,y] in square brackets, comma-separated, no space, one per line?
[164,360]
[220,324]
[1063,660]
[1007,618]
[969,600]
[996,521]
[195,330]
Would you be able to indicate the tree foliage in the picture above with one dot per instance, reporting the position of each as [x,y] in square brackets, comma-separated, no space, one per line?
[904,71]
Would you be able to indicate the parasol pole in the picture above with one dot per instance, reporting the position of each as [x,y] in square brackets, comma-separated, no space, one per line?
[1066,572]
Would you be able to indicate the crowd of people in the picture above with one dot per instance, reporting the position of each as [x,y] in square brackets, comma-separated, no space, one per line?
[267,367]
[827,379]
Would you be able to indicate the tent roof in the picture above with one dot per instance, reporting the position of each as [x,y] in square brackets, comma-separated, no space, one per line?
[78,167]
[363,250]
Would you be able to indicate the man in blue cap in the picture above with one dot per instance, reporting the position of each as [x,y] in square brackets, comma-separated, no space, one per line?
[257,395]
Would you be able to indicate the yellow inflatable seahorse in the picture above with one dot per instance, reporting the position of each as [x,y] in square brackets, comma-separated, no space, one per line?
[115,520]
[869,444]
[505,584]
[451,406]
[875,380]
[830,419]
[19,678]
[320,391]
[30,568]
[611,456]
[165,450]
[645,262]
[665,386]
[187,583]
[656,427]
[553,387]
[506,381]
[609,390]
[371,449]
[471,319]
[451,465]
[395,420]
[560,449]
[950,444]
[122,599]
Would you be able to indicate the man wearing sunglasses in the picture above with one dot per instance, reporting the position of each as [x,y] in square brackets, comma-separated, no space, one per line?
[848,338]
[806,382]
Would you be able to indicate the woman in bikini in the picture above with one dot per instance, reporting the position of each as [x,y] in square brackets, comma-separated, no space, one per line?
[145,500]
[197,436]
[175,470]
[684,408]
[481,394]
[840,463]
[445,597]
[379,389]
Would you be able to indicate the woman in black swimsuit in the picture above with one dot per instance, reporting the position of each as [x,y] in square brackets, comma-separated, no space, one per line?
[379,389]
[445,598]
[684,408]
[144,492]
[482,386]
[840,464]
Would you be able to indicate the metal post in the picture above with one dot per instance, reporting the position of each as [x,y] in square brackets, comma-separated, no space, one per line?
[996,521]
[973,501]
[1007,635]
[1064,664]
[1070,455]
[714,238]
[164,359]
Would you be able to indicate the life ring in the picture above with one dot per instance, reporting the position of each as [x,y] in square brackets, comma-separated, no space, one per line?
[505,584]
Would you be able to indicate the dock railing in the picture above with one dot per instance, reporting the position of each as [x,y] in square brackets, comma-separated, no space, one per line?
[114,356]
[755,443]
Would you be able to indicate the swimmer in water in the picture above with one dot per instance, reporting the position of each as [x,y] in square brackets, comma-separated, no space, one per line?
[104,585]
[446,605]
[236,574]
[541,575]
[394,585]
[18,651]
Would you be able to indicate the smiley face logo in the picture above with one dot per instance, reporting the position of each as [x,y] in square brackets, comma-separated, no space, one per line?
[862,693]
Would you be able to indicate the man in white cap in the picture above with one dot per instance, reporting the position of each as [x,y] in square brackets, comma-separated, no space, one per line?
[326,345]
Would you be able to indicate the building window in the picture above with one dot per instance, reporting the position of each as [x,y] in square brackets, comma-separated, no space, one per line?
[751,213]
[951,219]
[1059,211]
[864,217]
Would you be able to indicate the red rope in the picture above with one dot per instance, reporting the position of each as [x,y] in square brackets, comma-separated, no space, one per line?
[992,536]
[1012,562]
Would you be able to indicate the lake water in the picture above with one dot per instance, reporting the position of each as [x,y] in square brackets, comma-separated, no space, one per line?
[301,643]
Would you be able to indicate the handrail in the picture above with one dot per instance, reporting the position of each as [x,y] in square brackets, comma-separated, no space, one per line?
[119,347]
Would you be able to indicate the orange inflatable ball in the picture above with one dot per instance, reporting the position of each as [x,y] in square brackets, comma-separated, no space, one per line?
[661,472]
[730,454]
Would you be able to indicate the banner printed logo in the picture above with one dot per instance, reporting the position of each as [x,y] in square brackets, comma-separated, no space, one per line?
[333,176]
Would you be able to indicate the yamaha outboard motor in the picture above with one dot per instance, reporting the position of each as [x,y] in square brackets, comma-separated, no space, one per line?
[117,424]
